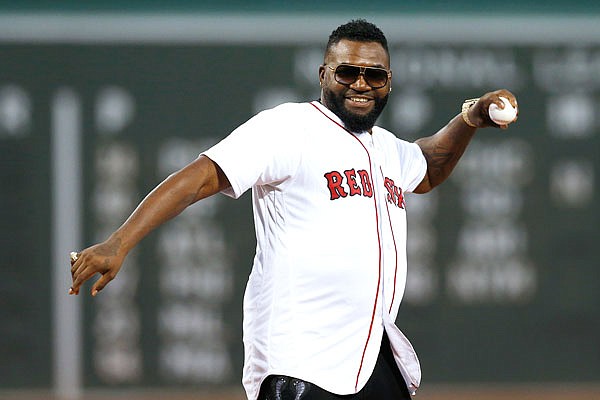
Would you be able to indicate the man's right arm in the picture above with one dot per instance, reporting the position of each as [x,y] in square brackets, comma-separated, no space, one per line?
[199,179]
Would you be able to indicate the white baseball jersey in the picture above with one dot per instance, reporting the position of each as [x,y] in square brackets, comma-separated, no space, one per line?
[330,265]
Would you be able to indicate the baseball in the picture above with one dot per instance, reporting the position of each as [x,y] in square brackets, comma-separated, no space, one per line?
[502,116]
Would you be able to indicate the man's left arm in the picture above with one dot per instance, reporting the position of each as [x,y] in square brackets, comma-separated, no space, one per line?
[443,149]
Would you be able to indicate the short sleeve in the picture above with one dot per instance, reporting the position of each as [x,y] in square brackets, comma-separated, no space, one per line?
[264,150]
[414,165]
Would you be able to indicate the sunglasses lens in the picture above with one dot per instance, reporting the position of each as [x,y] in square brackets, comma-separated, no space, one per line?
[348,74]
[376,78]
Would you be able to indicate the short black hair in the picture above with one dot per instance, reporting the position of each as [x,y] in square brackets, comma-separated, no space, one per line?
[358,30]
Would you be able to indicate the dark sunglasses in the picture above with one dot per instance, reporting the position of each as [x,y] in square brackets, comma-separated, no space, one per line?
[346,74]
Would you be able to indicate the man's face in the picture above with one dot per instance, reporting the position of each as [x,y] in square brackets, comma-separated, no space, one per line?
[357,104]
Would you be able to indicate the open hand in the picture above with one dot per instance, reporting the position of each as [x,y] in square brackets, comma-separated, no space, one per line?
[103,258]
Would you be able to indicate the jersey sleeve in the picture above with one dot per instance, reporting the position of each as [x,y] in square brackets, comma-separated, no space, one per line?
[414,164]
[264,150]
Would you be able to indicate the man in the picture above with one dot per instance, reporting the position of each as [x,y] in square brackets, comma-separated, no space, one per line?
[328,197]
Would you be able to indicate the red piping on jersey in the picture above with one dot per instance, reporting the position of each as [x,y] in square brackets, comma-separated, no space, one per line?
[387,208]
[378,241]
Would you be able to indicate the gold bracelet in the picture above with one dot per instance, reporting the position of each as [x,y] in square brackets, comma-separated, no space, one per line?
[467,104]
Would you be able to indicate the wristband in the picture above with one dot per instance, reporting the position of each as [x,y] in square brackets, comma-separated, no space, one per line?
[465,110]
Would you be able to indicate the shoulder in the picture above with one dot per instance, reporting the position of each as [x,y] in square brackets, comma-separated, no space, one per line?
[275,120]
[285,119]
[287,110]
[388,136]
[393,143]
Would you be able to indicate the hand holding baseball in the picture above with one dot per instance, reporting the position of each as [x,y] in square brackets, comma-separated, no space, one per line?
[504,115]
[498,108]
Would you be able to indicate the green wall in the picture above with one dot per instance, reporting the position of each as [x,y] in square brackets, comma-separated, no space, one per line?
[503,277]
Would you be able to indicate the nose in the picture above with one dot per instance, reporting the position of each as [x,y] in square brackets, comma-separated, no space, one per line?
[360,84]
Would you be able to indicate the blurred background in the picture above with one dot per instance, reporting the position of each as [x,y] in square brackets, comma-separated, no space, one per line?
[101,100]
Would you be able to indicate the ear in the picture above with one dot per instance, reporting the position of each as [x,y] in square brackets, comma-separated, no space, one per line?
[322,69]
[390,81]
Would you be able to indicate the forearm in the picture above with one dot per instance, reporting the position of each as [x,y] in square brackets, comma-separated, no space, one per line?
[443,150]
[198,180]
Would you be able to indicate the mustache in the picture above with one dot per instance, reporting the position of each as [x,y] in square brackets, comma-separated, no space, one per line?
[354,122]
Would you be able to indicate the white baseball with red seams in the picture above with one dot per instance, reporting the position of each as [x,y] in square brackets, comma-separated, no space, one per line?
[330,266]
[502,116]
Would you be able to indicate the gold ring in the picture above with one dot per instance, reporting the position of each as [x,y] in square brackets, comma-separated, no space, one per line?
[74,256]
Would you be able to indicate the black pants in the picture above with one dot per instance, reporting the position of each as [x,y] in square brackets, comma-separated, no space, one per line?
[386,383]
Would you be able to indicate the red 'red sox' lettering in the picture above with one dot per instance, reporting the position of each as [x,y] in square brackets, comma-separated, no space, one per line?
[342,185]
[366,183]
[395,195]
[334,183]
[352,182]
[351,179]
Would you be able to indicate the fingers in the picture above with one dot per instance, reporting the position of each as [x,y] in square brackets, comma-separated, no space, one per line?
[101,283]
[80,271]
[502,108]
[508,95]
[88,263]
[80,276]
[74,256]
[74,264]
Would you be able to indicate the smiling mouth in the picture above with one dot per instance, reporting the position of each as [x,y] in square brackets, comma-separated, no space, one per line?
[358,100]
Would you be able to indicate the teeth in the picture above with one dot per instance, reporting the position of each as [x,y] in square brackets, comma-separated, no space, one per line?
[359,99]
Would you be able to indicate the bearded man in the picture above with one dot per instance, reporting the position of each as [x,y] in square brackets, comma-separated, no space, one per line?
[328,190]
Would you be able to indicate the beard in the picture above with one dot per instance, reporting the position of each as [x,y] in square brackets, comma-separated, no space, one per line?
[352,121]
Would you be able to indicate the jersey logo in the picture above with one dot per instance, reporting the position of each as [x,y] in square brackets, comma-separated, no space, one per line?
[395,195]
[351,182]
[358,183]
